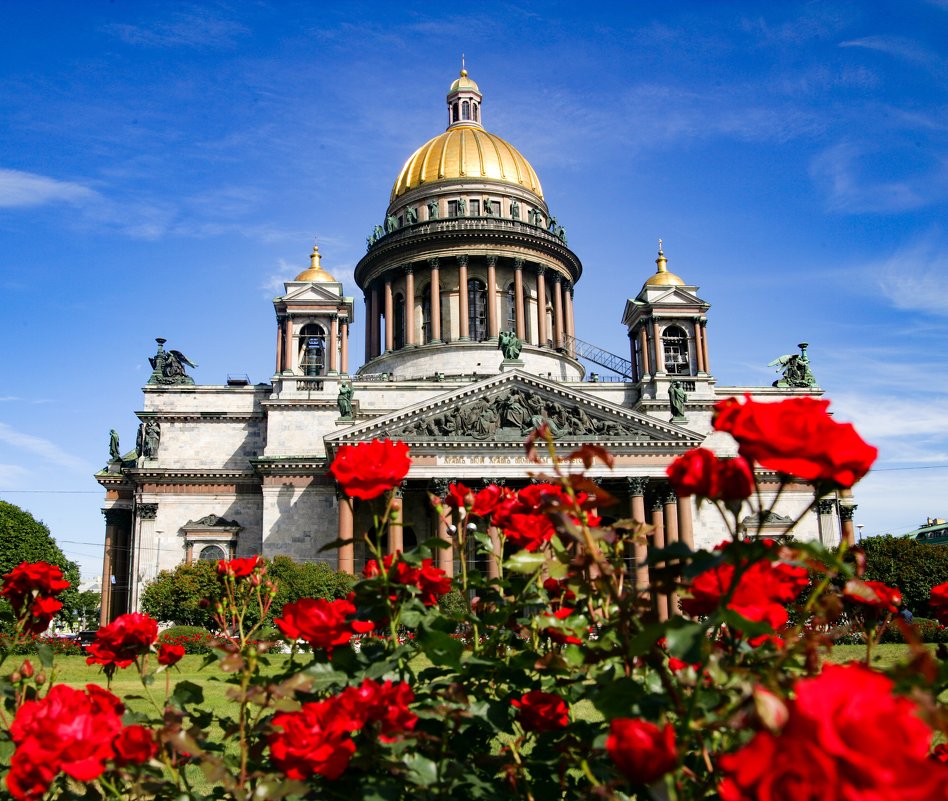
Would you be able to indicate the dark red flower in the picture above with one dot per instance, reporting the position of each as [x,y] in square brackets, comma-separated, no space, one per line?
[323,624]
[432,581]
[695,473]
[796,436]
[313,740]
[118,644]
[873,594]
[459,496]
[135,745]
[384,705]
[528,531]
[169,654]
[239,568]
[562,633]
[940,753]
[540,712]
[640,750]
[368,469]
[486,501]
[735,479]
[938,602]
[30,588]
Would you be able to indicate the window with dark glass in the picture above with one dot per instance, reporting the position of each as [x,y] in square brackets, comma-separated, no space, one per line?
[475,208]
[398,318]
[454,112]
[477,309]
[212,553]
[510,315]
[465,110]
[675,346]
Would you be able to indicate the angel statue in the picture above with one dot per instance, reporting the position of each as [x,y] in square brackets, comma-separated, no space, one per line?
[167,366]
[795,368]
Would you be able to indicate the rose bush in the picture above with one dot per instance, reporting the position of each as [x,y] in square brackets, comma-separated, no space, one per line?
[554,675]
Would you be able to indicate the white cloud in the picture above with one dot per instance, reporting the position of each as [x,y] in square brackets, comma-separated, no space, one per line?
[46,450]
[915,278]
[194,28]
[19,189]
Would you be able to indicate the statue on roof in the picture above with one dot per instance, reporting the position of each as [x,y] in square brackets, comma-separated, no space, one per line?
[344,400]
[795,368]
[510,345]
[167,366]
[432,209]
[115,454]
[677,397]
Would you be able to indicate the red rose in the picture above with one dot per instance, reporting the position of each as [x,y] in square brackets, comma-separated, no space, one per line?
[562,633]
[68,730]
[432,581]
[528,531]
[873,594]
[459,496]
[735,479]
[640,750]
[540,712]
[311,741]
[938,601]
[30,588]
[323,624]
[118,644]
[838,726]
[798,437]
[486,501]
[239,568]
[368,469]
[135,745]
[940,753]
[170,654]
[384,704]
[695,473]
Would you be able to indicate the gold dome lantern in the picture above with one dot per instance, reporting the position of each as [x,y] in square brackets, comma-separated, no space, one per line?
[315,272]
[662,275]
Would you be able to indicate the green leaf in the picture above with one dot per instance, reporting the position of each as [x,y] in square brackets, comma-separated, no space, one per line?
[187,692]
[420,769]
[686,640]
[441,648]
[525,562]
[45,654]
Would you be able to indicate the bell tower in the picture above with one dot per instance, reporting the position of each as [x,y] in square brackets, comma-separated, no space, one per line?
[668,340]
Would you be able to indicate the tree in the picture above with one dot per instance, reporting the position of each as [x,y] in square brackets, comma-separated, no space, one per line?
[23,538]
[913,567]
[184,596]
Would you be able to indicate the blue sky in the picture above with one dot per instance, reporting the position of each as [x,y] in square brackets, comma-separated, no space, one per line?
[165,166]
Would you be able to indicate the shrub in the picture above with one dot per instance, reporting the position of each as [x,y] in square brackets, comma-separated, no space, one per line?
[913,567]
[196,640]
[61,646]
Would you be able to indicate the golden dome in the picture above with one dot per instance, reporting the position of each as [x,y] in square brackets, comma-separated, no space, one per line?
[315,272]
[663,277]
[466,151]
[464,83]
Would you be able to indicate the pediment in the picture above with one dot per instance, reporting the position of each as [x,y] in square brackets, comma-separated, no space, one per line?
[308,292]
[504,409]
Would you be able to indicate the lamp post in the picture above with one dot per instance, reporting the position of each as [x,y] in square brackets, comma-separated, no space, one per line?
[860,526]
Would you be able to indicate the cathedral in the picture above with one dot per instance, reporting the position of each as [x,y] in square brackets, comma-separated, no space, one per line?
[468,289]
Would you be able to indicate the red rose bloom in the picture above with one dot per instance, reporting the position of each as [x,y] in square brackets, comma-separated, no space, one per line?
[838,726]
[314,740]
[30,588]
[68,730]
[559,634]
[540,712]
[368,469]
[938,601]
[135,745]
[735,479]
[459,496]
[695,473]
[118,644]
[798,437]
[239,568]
[640,750]
[873,594]
[432,581]
[170,654]
[323,624]
[486,501]
[528,532]
[384,704]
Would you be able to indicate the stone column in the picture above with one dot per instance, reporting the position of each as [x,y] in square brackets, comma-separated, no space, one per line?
[435,299]
[658,542]
[846,513]
[704,344]
[464,313]
[671,536]
[541,306]
[493,561]
[117,523]
[646,368]
[395,531]
[144,546]
[279,349]
[333,344]
[493,329]
[288,346]
[570,323]
[518,298]
[368,327]
[699,346]
[344,367]
[825,517]
[632,359]
[445,555]
[686,531]
[409,304]
[659,350]
[372,324]
[557,311]
[346,553]
[389,322]
[636,487]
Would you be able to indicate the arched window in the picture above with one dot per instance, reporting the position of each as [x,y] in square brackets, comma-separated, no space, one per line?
[510,310]
[477,309]
[212,553]
[474,111]
[454,111]
[313,349]
[398,317]
[675,346]
[465,110]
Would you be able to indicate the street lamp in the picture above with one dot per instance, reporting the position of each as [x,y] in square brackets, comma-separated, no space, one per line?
[860,526]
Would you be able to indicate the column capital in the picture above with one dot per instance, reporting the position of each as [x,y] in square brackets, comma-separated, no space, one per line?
[462,259]
[518,263]
[557,278]
[439,486]
[408,269]
[668,495]
[433,262]
[500,481]
[847,511]
[636,485]
[825,506]
[655,502]
[340,493]
[541,269]
[568,287]
[146,511]
[491,261]
[115,517]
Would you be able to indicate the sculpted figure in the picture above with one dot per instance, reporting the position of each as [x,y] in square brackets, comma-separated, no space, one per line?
[344,401]
[151,438]
[391,223]
[514,210]
[168,366]
[510,345]
[411,215]
[795,368]
[432,209]
[377,233]
[677,399]
[462,207]
[114,452]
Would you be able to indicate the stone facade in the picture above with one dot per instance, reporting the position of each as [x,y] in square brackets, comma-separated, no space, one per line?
[239,470]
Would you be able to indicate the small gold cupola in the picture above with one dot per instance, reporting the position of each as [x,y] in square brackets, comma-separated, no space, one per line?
[662,275]
[315,272]
[464,101]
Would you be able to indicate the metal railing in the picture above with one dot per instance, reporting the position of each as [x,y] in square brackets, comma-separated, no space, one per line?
[596,355]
